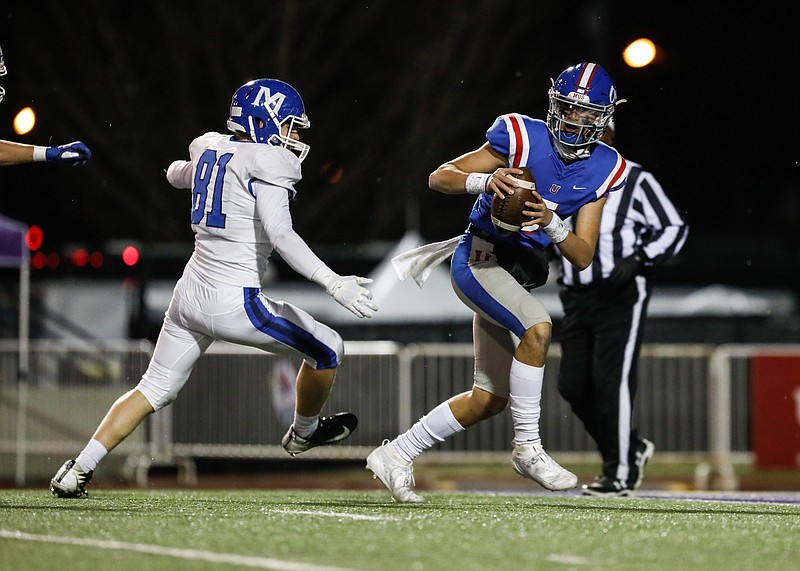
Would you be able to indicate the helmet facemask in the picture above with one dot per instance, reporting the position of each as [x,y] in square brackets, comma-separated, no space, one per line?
[575,123]
[283,138]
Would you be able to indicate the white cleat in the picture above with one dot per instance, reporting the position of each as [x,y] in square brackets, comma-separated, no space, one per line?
[531,461]
[395,474]
[70,481]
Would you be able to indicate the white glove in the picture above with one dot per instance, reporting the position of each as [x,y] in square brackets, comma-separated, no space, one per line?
[348,291]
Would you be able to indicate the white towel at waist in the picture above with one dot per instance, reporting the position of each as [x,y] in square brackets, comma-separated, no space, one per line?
[419,262]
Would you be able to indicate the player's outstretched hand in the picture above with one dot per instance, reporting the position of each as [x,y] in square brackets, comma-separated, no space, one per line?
[76,153]
[351,294]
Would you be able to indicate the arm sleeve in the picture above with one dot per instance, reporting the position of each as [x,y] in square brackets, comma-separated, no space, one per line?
[179,174]
[272,204]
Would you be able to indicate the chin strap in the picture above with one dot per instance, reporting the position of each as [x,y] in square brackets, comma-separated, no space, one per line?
[571,153]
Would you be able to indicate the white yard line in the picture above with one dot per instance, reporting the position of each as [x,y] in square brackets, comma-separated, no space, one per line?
[570,559]
[194,554]
[335,514]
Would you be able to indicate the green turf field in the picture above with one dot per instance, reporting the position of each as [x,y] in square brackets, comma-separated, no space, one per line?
[334,530]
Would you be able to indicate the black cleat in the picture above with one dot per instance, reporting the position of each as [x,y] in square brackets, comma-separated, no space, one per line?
[331,429]
[641,453]
[603,486]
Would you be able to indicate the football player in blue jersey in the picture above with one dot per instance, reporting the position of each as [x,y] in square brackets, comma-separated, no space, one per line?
[493,270]
[241,186]
[76,153]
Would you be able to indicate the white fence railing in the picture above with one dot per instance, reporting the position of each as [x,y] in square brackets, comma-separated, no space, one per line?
[692,401]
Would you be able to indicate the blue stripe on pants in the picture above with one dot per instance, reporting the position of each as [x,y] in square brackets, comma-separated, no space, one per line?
[475,292]
[286,332]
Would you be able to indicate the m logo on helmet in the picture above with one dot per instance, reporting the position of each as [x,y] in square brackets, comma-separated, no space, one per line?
[268,100]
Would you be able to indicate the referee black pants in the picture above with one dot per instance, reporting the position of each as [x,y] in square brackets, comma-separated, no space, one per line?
[600,340]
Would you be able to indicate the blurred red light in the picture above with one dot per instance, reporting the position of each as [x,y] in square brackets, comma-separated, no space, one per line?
[34,237]
[96,259]
[79,257]
[130,256]
[39,260]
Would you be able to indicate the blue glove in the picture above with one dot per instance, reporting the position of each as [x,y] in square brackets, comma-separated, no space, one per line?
[76,153]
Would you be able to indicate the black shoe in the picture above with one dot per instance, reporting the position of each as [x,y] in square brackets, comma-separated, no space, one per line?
[331,429]
[641,453]
[603,486]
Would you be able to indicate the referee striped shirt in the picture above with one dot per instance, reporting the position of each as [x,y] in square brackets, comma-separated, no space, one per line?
[638,219]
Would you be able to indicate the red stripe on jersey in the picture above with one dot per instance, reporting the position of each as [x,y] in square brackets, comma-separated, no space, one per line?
[614,179]
[623,165]
[517,140]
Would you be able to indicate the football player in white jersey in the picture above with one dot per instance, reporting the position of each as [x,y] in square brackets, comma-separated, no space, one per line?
[241,188]
[76,153]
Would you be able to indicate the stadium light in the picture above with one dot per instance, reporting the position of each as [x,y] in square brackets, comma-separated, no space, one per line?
[24,121]
[640,53]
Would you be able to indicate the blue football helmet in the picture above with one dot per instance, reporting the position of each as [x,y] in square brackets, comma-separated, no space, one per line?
[582,102]
[260,108]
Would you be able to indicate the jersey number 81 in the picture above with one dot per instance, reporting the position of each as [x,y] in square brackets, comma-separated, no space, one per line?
[204,173]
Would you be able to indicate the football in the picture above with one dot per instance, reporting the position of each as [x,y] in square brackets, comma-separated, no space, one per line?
[507,213]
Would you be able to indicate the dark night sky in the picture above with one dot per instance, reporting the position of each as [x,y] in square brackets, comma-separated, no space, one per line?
[394,89]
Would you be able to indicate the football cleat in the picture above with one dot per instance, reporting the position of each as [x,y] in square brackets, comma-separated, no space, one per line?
[70,481]
[603,486]
[641,453]
[531,461]
[394,472]
[330,430]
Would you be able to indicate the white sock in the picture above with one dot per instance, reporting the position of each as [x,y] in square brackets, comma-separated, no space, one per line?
[525,387]
[90,457]
[305,425]
[434,427]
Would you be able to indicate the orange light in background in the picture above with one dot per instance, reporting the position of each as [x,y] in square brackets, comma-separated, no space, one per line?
[33,238]
[331,171]
[130,255]
[639,53]
[24,121]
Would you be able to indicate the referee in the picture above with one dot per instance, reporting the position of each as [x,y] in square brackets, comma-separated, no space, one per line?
[604,313]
